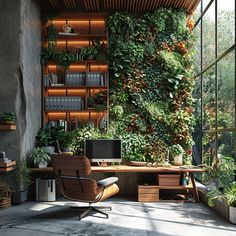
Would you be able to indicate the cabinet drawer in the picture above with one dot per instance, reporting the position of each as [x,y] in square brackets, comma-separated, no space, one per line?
[148,189]
[151,197]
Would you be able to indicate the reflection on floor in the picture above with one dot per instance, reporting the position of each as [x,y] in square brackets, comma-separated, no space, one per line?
[126,218]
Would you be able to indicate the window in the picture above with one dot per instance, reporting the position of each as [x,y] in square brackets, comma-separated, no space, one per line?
[215,84]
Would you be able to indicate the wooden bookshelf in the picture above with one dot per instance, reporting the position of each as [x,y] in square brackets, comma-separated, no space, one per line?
[7,127]
[87,28]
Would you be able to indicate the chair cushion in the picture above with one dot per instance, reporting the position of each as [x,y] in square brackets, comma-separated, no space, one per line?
[107,181]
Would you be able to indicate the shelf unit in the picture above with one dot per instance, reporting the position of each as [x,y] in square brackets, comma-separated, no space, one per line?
[7,166]
[7,127]
[93,74]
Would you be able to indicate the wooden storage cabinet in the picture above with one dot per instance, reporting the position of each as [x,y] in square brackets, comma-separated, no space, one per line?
[148,193]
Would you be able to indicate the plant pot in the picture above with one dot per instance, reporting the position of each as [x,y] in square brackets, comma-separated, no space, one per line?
[49,149]
[19,197]
[8,122]
[232,214]
[66,149]
[137,163]
[213,183]
[178,160]
[43,164]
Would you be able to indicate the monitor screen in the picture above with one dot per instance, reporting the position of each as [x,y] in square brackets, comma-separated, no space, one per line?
[103,150]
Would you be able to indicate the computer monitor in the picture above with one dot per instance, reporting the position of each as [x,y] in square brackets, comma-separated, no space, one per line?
[103,150]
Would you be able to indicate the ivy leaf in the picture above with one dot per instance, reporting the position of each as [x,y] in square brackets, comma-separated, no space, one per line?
[171,95]
[117,75]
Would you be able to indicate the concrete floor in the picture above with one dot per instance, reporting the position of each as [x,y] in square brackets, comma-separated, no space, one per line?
[128,218]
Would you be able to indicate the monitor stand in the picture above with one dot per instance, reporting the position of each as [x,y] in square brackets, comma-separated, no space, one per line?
[103,164]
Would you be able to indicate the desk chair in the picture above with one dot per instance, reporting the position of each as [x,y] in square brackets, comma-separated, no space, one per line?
[71,176]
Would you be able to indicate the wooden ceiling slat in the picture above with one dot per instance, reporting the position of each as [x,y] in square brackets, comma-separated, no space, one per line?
[136,6]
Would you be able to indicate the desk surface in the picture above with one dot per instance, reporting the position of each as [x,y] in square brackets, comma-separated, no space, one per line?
[135,169]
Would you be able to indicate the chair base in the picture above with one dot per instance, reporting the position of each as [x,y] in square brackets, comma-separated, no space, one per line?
[90,209]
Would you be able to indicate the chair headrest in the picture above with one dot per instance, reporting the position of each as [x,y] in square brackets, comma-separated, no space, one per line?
[71,165]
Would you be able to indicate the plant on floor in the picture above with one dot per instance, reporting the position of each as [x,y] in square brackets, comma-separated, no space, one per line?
[229,195]
[221,172]
[39,157]
[23,181]
[8,118]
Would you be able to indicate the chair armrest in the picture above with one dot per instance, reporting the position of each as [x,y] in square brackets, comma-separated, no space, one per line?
[107,181]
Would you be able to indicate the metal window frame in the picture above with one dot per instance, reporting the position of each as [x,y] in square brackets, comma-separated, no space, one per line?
[218,58]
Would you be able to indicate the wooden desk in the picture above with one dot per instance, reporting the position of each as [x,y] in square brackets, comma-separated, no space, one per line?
[134,169]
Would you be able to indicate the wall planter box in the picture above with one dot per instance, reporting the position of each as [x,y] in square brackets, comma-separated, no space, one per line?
[19,197]
[169,180]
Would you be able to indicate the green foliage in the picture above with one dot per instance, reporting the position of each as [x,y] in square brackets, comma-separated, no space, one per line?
[43,138]
[22,174]
[47,54]
[39,155]
[64,59]
[133,147]
[8,116]
[65,138]
[222,168]
[151,78]
[176,150]
[229,195]
[98,51]
[52,35]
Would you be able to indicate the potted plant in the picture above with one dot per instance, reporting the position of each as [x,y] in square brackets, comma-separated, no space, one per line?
[39,157]
[231,201]
[65,139]
[23,179]
[220,173]
[88,53]
[229,196]
[44,140]
[64,59]
[8,118]
[176,151]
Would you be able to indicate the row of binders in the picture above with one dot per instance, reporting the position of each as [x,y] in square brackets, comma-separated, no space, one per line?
[64,104]
[85,79]
[90,79]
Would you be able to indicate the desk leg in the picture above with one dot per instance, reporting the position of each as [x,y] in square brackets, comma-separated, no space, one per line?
[195,192]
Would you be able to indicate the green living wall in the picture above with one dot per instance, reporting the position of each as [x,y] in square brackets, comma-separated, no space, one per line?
[151,82]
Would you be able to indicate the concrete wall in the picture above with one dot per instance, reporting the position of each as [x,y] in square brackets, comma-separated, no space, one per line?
[20,73]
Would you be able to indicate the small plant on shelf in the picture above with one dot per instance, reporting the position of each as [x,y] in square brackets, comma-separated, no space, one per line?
[98,51]
[177,151]
[64,59]
[8,118]
[39,157]
[44,140]
[47,54]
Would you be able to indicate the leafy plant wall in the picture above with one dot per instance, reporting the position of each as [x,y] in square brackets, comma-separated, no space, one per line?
[151,82]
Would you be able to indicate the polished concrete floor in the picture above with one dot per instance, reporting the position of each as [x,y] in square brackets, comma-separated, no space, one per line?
[128,218]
